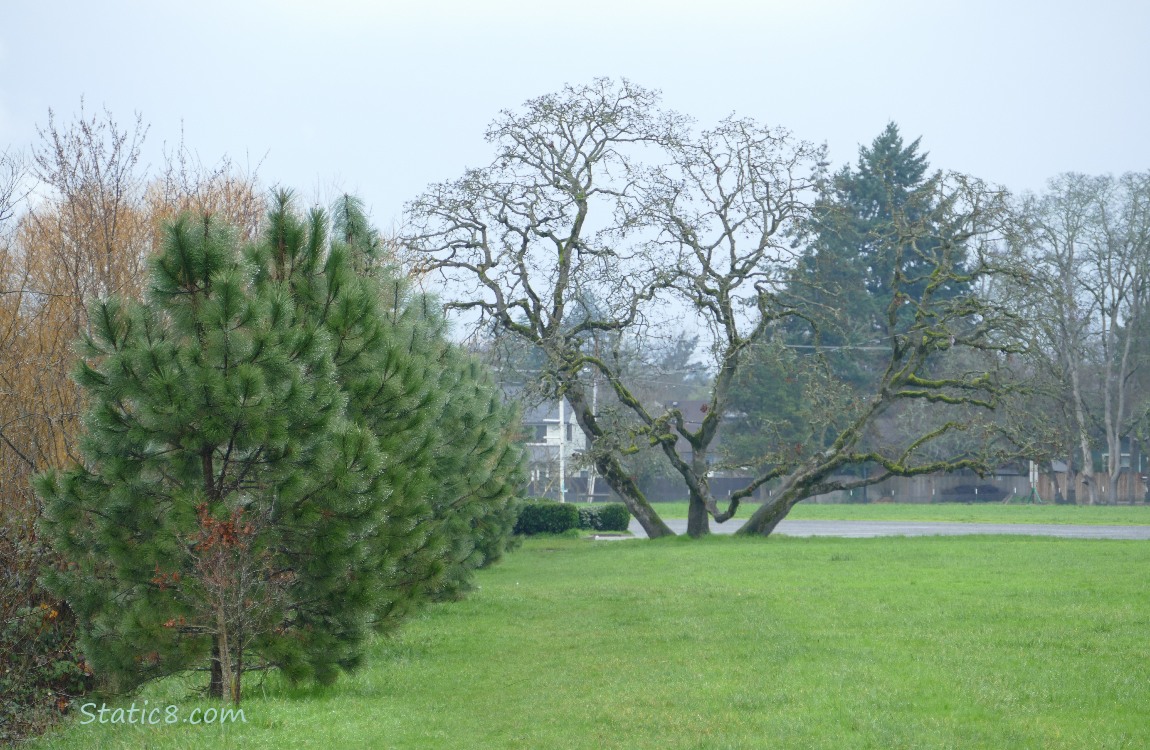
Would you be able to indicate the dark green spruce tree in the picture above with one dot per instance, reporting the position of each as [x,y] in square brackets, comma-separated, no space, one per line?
[223,514]
[846,277]
[848,269]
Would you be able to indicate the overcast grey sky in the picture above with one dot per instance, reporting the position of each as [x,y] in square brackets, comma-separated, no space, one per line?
[382,98]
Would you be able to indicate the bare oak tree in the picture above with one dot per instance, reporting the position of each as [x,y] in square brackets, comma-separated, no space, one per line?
[1119,284]
[950,351]
[548,222]
[605,221]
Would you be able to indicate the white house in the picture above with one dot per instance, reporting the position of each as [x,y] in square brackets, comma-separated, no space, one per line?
[553,441]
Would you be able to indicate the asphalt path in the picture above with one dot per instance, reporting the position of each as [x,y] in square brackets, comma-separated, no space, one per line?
[861,529]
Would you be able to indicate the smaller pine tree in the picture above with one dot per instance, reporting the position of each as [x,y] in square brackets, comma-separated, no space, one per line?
[440,410]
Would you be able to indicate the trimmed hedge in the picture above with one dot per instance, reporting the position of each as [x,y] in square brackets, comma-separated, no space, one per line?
[611,517]
[542,516]
[546,517]
[614,517]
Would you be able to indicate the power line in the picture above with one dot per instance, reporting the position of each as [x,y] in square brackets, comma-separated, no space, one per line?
[855,347]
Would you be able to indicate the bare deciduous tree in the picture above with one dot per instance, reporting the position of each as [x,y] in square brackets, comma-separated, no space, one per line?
[1119,285]
[548,224]
[1087,240]
[606,221]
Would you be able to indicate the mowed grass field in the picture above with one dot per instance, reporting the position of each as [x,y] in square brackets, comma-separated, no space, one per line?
[1118,515]
[970,642]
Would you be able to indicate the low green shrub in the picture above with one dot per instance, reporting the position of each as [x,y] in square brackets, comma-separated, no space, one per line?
[610,517]
[546,517]
[613,517]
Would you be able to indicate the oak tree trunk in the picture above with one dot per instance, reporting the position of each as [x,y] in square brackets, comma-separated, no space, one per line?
[764,520]
[698,519]
[612,471]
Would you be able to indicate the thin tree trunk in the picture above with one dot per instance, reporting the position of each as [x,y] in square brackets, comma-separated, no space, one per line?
[1114,422]
[227,688]
[1070,478]
[1113,466]
[1083,436]
[1109,419]
[239,674]
[216,681]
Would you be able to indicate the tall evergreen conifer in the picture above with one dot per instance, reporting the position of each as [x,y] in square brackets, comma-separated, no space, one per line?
[224,505]
[283,451]
[851,262]
[847,274]
[459,447]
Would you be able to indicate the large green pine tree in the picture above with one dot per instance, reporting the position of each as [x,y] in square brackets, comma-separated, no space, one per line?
[225,503]
[479,464]
[451,463]
[389,384]
[288,428]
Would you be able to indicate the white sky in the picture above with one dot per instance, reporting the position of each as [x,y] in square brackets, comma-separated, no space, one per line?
[382,98]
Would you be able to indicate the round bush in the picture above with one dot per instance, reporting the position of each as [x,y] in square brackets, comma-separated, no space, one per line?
[613,517]
[546,517]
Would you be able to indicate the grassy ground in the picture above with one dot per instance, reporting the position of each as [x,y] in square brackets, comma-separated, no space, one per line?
[1120,515]
[976,642]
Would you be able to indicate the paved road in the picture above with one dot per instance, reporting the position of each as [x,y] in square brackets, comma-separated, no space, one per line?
[921,528]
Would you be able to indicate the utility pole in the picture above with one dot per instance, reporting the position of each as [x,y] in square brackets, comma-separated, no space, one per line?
[562,450]
[595,412]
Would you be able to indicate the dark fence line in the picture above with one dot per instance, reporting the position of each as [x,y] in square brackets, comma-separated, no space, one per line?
[932,488]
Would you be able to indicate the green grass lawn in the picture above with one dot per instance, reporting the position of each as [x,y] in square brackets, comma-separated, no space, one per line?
[1121,515]
[971,642]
